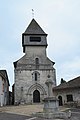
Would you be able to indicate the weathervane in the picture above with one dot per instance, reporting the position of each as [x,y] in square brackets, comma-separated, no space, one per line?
[32,13]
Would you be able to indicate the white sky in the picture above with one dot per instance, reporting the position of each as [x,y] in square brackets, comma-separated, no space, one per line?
[60,19]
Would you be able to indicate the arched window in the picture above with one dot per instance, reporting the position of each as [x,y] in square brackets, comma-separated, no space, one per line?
[37,63]
[35,76]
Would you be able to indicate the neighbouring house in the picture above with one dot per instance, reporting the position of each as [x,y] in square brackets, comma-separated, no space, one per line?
[32,70]
[68,93]
[4,88]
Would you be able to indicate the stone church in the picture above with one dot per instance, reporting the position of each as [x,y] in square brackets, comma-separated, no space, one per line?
[34,68]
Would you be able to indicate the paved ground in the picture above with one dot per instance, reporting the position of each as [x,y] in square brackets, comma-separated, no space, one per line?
[25,112]
[75,114]
[22,109]
[9,116]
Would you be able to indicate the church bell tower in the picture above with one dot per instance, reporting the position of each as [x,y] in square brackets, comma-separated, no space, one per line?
[33,36]
[32,70]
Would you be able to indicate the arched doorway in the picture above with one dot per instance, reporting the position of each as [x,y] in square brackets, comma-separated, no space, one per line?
[36,96]
[60,101]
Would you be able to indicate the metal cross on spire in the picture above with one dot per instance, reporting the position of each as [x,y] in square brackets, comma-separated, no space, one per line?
[32,13]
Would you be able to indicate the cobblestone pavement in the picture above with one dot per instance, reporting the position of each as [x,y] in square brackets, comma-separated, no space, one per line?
[24,113]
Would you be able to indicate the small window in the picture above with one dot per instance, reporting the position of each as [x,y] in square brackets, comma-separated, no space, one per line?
[35,39]
[69,98]
[37,61]
[35,76]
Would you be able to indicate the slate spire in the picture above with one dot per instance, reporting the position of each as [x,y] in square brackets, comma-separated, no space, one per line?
[34,28]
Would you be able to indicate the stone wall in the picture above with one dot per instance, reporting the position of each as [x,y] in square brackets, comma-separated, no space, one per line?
[25,84]
[75,92]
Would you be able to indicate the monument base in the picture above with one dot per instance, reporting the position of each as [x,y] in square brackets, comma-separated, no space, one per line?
[51,110]
[50,104]
[55,115]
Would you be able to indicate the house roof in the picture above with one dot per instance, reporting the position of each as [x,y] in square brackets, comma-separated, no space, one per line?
[3,74]
[34,28]
[74,83]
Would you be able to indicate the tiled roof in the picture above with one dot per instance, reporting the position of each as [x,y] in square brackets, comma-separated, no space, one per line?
[3,73]
[74,83]
[34,28]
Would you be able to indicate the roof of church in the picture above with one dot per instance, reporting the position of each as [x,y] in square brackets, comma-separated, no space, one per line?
[74,83]
[3,73]
[34,28]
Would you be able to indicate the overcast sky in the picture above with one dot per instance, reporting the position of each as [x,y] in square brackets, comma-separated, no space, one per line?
[60,19]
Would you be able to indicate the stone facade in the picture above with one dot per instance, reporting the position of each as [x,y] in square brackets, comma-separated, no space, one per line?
[68,93]
[4,88]
[31,71]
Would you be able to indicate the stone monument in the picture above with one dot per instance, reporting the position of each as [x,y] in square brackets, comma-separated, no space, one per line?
[50,102]
[51,107]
